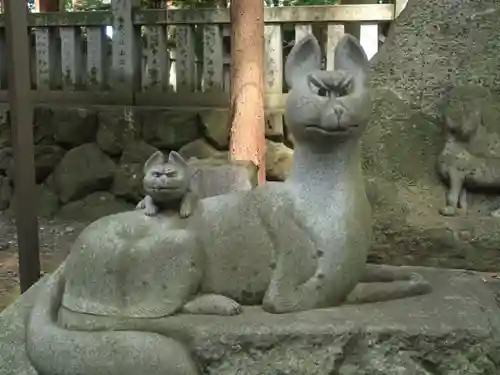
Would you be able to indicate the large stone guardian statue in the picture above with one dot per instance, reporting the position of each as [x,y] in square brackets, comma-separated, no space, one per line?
[292,246]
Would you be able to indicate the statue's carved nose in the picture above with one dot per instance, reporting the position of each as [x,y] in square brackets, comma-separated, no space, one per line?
[339,111]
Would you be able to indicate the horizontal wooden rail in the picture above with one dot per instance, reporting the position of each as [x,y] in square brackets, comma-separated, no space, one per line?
[302,14]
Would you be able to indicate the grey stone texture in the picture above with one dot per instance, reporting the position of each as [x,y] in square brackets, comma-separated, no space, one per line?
[453,331]
[433,47]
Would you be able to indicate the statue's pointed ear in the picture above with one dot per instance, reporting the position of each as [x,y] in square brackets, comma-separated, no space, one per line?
[155,159]
[175,158]
[351,57]
[304,58]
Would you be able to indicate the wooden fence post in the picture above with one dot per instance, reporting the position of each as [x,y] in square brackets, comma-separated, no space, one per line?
[126,51]
[21,120]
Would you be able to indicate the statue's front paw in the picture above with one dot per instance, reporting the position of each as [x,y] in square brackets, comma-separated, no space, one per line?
[496,213]
[141,205]
[448,211]
[213,304]
[150,211]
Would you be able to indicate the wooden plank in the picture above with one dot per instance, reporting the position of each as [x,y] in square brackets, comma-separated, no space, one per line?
[213,62]
[3,60]
[273,78]
[46,55]
[185,59]
[71,57]
[226,74]
[156,69]
[21,120]
[96,52]
[368,38]
[295,14]
[54,19]
[334,34]
[125,70]
[75,97]
[301,31]
[399,5]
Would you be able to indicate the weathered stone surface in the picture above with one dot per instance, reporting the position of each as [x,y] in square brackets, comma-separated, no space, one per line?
[46,159]
[116,128]
[213,177]
[415,69]
[93,207]
[74,126]
[453,331]
[200,149]
[5,132]
[421,62]
[43,125]
[216,126]
[6,192]
[47,203]
[169,129]
[129,174]
[278,161]
[83,170]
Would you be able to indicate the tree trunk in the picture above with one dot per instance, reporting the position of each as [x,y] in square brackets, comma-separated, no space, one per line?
[247,140]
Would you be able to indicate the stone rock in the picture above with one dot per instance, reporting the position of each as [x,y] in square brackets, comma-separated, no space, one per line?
[93,207]
[5,131]
[200,149]
[169,129]
[47,203]
[6,192]
[74,126]
[137,152]
[455,330]
[43,126]
[278,161]
[127,183]
[421,62]
[412,75]
[116,128]
[129,174]
[83,170]
[216,126]
[46,159]
[213,177]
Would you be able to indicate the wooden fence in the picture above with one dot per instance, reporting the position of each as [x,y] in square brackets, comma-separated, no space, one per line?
[169,57]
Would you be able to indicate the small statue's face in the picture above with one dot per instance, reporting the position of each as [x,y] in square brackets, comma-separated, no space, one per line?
[325,107]
[166,180]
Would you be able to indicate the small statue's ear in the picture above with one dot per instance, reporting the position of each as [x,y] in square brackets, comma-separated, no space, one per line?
[304,58]
[155,159]
[175,158]
[351,57]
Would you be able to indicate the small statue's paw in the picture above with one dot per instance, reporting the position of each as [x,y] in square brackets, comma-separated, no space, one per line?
[150,211]
[186,211]
[141,205]
[448,211]
[496,213]
[213,304]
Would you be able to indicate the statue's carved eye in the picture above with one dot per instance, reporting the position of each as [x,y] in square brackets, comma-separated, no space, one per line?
[171,173]
[156,174]
[323,92]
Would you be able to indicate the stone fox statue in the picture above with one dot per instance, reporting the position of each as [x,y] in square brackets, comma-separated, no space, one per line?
[460,168]
[167,185]
[292,246]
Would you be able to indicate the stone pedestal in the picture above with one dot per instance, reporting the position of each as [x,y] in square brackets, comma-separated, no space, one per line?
[454,330]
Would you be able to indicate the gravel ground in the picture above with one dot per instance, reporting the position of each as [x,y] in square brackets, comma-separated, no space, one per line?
[56,238]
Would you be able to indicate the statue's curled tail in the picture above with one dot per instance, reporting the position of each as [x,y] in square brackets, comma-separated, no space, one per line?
[56,351]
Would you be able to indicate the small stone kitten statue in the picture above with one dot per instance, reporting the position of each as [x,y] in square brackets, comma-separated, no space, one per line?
[460,168]
[167,185]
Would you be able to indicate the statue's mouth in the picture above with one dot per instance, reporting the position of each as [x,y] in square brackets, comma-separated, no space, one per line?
[165,188]
[338,130]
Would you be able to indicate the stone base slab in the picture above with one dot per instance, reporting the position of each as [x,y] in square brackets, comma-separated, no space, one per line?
[454,330]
